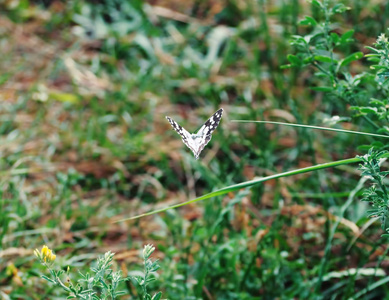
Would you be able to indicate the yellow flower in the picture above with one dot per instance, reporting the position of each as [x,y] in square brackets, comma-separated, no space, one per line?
[45,250]
[45,255]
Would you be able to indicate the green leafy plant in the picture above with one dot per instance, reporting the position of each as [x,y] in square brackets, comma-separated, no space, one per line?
[318,50]
[380,58]
[149,267]
[104,282]
[102,285]
[322,49]
[377,194]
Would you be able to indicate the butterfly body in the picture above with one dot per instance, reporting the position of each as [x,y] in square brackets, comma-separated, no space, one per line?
[197,141]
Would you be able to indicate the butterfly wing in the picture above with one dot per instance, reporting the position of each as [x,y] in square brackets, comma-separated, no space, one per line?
[185,135]
[211,124]
[205,132]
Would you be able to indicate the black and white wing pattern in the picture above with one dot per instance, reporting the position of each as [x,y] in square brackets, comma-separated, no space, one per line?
[197,141]
[185,135]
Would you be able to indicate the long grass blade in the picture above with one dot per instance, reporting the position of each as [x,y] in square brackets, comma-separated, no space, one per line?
[314,127]
[249,183]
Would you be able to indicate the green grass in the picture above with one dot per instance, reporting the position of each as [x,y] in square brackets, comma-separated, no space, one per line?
[84,143]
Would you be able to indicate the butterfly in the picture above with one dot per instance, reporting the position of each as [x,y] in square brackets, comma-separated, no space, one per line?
[197,141]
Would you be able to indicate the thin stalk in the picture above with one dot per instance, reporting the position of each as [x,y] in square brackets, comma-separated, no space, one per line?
[250,183]
[315,127]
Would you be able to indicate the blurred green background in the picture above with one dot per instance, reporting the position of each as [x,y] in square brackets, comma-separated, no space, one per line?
[84,90]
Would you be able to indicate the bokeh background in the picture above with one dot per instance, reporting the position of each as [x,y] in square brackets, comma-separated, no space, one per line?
[84,90]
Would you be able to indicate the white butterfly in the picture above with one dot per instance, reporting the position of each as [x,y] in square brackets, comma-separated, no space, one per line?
[197,141]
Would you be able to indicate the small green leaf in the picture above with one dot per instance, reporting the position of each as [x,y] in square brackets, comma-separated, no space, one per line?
[298,39]
[378,144]
[347,35]
[383,130]
[308,60]
[340,8]
[157,296]
[363,148]
[372,49]
[294,60]
[315,37]
[377,102]
[317,3]
[350,58]
[288,66]
[322,88]
[151,279]
[368,110]
[48,279]
[373,58]
[308,21]
[325,59]
[375,67]
[103,284]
